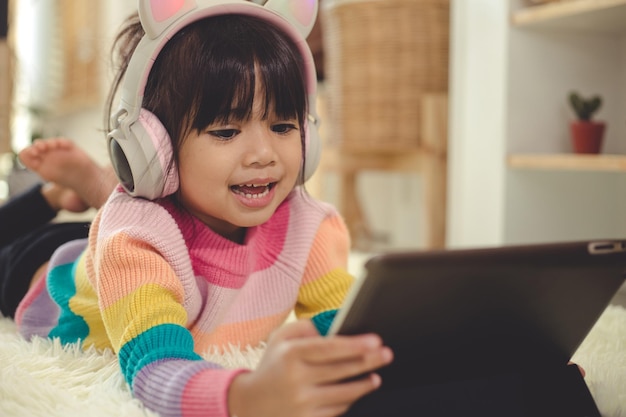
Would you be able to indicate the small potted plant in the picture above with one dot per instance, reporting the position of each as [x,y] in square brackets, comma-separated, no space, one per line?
[587,134]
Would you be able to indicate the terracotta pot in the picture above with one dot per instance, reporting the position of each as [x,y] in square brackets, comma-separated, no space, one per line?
[587,136]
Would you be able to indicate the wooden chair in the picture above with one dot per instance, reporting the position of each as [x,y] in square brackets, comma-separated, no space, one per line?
[386,68]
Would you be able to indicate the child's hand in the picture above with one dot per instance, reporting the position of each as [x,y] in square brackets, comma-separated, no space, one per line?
[303,374]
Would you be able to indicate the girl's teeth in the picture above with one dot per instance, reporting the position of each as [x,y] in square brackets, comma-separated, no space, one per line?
[263,194]
[248,195]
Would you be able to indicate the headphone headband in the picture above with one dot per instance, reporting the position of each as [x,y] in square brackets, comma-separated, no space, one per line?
[160,29]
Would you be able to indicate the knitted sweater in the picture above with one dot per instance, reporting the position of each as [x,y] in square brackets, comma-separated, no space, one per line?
[160,288]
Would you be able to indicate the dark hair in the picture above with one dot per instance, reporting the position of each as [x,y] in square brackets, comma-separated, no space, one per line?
[206,74]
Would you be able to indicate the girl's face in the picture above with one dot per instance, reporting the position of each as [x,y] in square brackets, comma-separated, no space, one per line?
[235,174]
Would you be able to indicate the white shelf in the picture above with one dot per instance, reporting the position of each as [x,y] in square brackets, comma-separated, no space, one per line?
[568,162]
[601,16]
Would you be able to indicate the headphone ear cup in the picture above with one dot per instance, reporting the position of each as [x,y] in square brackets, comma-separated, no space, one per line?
[313,149]
[143,158]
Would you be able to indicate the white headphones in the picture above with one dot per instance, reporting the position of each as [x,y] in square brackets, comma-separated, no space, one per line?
[139,146]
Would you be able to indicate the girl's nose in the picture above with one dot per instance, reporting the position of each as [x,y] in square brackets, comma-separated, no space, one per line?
[260,148]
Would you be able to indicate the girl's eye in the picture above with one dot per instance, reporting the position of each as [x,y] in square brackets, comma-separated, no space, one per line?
[283,128]
[224,134]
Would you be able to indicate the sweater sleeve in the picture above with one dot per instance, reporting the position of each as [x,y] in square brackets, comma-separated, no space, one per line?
[326,280]
[143,306]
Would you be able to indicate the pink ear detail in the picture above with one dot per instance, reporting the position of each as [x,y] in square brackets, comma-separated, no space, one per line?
[303,11]
[164,9]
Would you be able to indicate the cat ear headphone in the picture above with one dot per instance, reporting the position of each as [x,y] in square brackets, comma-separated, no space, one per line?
[139,145]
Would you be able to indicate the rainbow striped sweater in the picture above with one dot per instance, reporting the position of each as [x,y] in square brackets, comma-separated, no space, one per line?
[160,288]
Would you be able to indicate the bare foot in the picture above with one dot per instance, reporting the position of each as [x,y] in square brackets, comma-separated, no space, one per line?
[60,161]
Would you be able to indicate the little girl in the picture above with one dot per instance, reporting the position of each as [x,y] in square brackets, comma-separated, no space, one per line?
[211,240]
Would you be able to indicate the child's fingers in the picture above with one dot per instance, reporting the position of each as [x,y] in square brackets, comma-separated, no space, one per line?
[339,397]
[323,350]
[305,343]
[327,360]
[340,371]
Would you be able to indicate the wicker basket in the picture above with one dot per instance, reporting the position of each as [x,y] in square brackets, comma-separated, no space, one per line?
[381,56]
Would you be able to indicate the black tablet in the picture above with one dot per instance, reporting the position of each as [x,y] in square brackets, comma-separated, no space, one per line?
[458,314]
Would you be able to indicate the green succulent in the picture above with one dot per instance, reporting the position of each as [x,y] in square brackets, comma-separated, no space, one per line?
[584,108]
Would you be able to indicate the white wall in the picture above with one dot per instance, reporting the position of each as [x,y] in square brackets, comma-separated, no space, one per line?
[509,89]
[545,66]
[477,122]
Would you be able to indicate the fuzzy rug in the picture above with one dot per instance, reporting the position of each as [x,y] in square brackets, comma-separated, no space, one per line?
[43,378]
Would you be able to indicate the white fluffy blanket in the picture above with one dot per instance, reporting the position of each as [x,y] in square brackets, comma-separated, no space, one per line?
[43,378]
